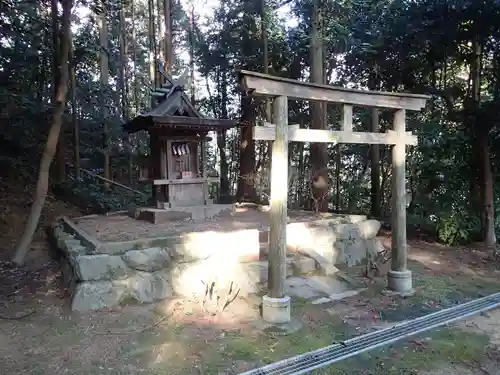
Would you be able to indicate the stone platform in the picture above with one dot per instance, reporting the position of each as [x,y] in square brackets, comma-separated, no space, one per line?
[110,260]
[168,214]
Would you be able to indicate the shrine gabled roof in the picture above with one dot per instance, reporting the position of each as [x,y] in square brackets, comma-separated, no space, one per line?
[175,111]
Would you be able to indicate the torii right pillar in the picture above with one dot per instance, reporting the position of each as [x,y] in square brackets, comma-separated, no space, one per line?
[399,278]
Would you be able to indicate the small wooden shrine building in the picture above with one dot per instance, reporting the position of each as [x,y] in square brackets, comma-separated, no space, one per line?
[176,167]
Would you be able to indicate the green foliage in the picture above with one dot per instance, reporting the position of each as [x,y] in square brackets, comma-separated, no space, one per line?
[457,228]
[413,46]
[90,195]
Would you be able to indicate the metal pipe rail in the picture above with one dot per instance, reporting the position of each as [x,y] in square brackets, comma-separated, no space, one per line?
[305,363]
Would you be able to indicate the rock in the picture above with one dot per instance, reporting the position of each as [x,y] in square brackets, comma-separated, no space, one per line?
[346,294]
[258,272]
[100,267]
[96,295]
[325,265]
[191,279]
[74,247]
[351,253]
[68,274]
[76,250]
[337,296]
[303,265]
[61,239]
[321,300]
[147,287]
[346,232]
[72,242]
[152,259]
[57,231]
[327,285]
[298,287]
[369,229]
[236,245]
[374,246]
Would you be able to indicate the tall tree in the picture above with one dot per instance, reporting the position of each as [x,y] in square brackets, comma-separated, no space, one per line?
[60,162]
[74,109]
[264,24]
[481,144]
[52,139]
[190,15]
[319,154]
[104,80]
[123,80]
[375,196]
[135,46]
[246,185]
[167,15]
[152,47]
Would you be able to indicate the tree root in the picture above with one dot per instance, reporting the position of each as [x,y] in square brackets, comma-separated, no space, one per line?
[18,317]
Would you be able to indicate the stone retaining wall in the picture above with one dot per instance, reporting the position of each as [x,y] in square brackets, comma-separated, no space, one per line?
[107,274]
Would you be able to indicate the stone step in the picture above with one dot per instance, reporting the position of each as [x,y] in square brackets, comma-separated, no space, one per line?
[72,242]
[76,250]
[314,287]
[62,237]
[258,270]
[303,265]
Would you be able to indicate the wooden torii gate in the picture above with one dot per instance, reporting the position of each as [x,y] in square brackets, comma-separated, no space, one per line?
[276,305]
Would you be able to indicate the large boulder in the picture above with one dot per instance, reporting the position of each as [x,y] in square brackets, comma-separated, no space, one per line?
[100,267]
[96,295]
[149,260]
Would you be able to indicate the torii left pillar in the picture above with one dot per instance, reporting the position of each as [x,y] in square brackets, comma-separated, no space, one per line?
[276,305]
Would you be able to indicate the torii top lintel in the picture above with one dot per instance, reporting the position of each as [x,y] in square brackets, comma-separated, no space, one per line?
[267,85]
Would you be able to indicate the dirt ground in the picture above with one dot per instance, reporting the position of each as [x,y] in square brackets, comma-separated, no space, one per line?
[39,335]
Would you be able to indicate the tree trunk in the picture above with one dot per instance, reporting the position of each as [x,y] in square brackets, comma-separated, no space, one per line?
[191,50]
[167,14]
[74,109]
[60,162]
[135,92]
[134,61]
[482,152]
[246,186]
[338,165]
[486,185]
[221,138]
[157,41]
[300,179]
[103,65]
[52,139]
[265,62]
[152,57]
[319,155]
[123,89]
[375,168]
[375,193]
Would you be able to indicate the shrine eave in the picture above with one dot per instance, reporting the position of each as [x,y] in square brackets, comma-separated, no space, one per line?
[194,124]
